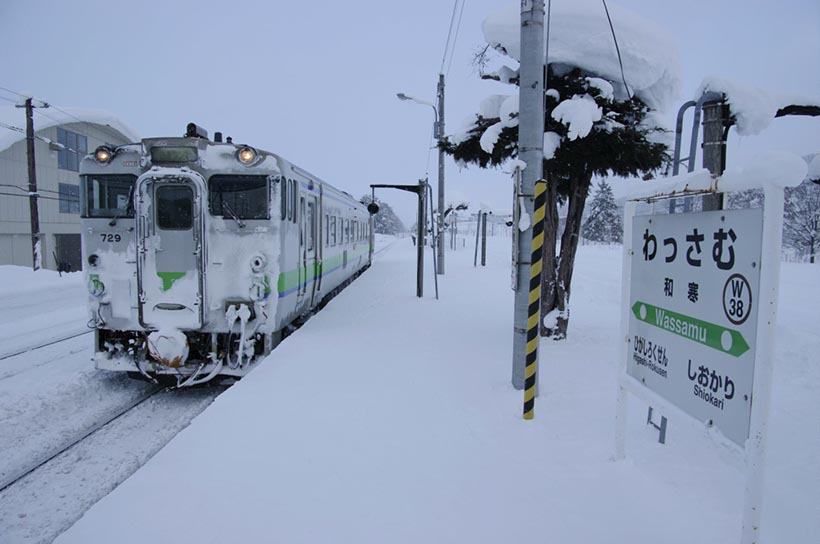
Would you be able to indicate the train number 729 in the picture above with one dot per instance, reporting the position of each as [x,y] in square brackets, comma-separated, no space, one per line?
[111,237]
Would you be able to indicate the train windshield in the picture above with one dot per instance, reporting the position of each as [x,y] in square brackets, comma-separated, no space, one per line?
[238,197]
[109,195]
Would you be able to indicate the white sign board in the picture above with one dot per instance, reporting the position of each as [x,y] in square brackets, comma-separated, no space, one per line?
[693,312]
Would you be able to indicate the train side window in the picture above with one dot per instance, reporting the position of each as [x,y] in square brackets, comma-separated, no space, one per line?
[327,230]
[295,200]
[284,189]
[311,227]
[333,230]
[287,194]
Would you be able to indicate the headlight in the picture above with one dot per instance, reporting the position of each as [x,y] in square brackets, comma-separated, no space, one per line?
[247,155]
[93,260]
[103,154]
[95,287]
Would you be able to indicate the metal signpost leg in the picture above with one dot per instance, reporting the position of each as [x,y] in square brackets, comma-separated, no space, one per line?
[756,445]
[484,240]
[623,338]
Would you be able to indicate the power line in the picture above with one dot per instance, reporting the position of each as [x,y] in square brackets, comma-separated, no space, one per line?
[42,139]
[617,49]
[102,128]
[455,39]
[449,34]
[66,199]
[99,127]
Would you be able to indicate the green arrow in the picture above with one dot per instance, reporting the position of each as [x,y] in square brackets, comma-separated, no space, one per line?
[709,334]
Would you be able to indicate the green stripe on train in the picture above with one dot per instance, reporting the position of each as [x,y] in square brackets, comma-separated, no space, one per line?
[293,278]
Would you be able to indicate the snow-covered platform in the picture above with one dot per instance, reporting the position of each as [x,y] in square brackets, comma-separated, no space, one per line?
[392,419]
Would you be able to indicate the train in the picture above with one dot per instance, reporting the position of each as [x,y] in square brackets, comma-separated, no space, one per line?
[201,255]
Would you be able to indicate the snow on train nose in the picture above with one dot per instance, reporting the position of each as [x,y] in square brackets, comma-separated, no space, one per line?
[168,347]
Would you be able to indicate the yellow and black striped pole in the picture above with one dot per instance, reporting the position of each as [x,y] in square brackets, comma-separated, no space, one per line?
[534,310]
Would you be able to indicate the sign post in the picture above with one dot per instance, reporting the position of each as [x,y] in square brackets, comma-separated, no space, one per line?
[699,295]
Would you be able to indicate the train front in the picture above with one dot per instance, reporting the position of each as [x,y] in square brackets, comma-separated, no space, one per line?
[181,249]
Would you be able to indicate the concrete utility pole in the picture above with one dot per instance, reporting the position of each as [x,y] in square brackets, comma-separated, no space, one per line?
[715,117]
[439,139]
[531,151]
[34,211]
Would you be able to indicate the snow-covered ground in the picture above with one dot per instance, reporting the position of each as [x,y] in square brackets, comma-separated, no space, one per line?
[29,296]
[51,397]
[388,418]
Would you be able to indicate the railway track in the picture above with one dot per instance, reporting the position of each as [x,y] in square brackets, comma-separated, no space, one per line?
[38,460]
[44,457]
[50,342]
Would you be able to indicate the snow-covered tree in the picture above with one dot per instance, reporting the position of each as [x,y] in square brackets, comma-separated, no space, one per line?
[603,224]
[386,221]
[594,124]
[800,219]
[750,198]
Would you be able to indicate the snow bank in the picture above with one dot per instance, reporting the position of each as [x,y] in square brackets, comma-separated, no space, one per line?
[753,108]
[354,430]
[16,280]
[580,36]
[17,117]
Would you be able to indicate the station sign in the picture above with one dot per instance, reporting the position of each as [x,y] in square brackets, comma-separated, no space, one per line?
[693,303]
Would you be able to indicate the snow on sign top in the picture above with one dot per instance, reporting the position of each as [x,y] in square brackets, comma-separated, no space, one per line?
[580,36]
[771,169]
[753,108]
[16,117]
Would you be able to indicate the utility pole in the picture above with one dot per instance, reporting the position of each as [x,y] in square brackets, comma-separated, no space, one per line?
[420,231]
[34,212]
[715,116]
[439,139]
[531,151]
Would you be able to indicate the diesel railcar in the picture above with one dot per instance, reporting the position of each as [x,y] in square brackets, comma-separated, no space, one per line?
[201,253]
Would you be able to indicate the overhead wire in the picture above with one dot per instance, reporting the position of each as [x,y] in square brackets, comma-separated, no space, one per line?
[617,49]
[100,127]
[42,139]
[455,40]
[449,35]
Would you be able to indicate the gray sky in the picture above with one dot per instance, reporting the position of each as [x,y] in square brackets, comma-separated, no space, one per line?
[316,81]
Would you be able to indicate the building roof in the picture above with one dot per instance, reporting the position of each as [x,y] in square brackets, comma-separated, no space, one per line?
[12,118]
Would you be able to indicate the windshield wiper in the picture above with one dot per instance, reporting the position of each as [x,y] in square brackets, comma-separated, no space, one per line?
[226,207]
[124,211]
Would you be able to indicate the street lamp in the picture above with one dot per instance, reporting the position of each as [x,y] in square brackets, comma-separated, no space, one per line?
[439,131]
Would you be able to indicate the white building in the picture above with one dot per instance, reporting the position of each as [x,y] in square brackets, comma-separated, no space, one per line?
[62,138]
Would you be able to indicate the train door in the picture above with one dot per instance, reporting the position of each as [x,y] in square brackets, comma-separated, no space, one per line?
[170,250]
[312,249]
[303,269]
